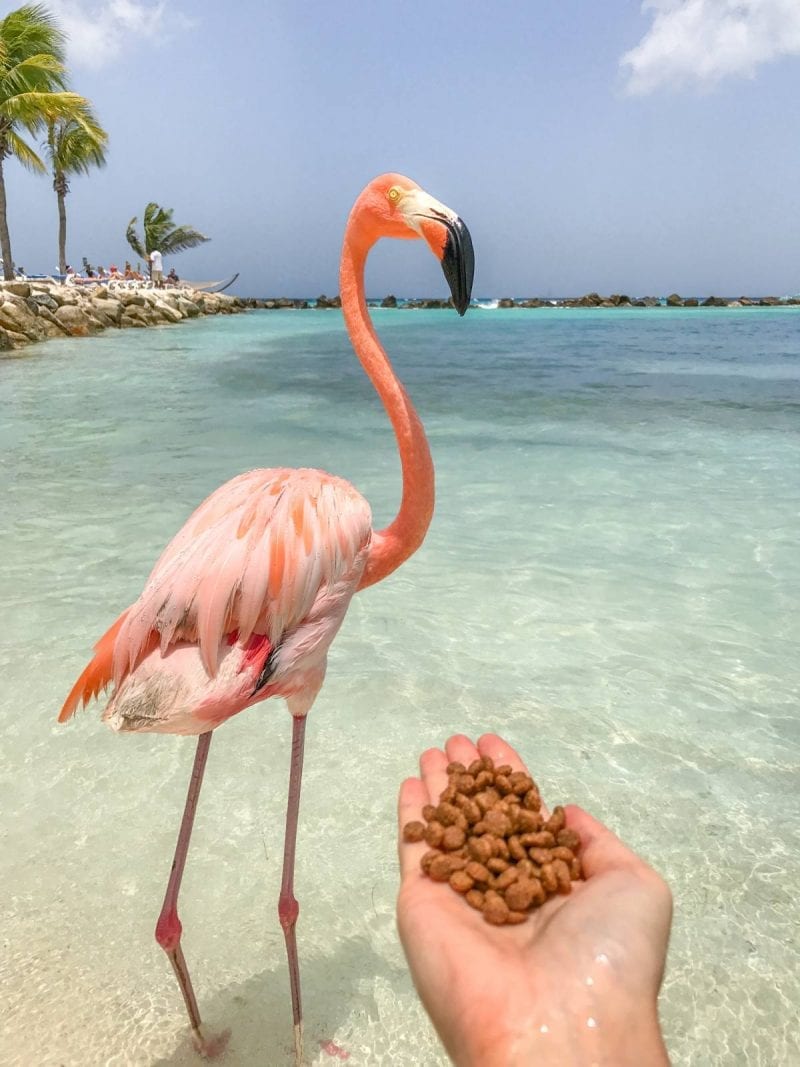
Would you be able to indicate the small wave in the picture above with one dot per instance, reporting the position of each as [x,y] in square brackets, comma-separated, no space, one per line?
[487,305]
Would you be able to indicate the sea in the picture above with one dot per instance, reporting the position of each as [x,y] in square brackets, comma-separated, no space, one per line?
[611,582]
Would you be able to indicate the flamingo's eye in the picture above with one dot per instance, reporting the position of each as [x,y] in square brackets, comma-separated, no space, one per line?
[393,195]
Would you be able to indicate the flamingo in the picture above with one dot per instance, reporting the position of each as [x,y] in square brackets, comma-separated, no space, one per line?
[244,602]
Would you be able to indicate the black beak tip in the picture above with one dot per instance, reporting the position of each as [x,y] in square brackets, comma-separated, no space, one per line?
[458,264]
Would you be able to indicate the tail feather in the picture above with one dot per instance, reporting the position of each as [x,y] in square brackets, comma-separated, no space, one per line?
[97,674]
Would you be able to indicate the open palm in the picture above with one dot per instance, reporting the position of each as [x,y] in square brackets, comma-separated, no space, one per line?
[582,966]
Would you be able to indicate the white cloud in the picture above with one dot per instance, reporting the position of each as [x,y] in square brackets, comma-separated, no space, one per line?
[98,31]
[697,43]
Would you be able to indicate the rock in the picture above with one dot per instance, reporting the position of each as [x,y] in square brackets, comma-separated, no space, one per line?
[17,317]
[619,299]
[6,344]
[674,301]
[713,302]
[44,300]
[168,313]
[74,320]
[32,306]
[691,302]
[389,301]
[132,299]
[769,301]
[505,302]
[650,301]
[47,316]
[22,289]
[134,315]
[188,308]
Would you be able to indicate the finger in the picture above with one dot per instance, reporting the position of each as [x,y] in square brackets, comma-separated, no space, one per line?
[460,749]
[500,751]
[413,797]
[601,850]
[433,767]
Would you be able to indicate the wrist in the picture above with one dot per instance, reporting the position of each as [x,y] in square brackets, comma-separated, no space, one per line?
[566,1036]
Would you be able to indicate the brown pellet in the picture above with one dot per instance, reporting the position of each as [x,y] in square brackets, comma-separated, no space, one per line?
[515,848]
[447,814]
[497,865]
[515,917]
[477,872]
[461,881]
[452,838]
[560,852]
[562,876]
[440,868]
[568,838]
[413,831]
[557,820]
[475,899]
[434,832]
[426,860]
[475,767]
[549,880]
[480,848]
[507,878]
[520,894]
[429,812]
[495,911]
[504,769]
[540,856]
[456,768]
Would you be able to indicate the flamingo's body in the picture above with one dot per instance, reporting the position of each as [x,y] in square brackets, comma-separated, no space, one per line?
[245,601]
[242,605]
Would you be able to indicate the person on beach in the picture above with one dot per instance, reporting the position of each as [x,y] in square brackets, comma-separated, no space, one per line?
[576,984]
[157,268]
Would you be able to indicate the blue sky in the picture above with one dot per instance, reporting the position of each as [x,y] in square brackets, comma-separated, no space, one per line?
[623,147]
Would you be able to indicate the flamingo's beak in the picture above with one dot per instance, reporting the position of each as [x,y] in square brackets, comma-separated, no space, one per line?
[447,237]
[458,263]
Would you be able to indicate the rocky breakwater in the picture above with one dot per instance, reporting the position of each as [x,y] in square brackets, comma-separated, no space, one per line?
[34,311]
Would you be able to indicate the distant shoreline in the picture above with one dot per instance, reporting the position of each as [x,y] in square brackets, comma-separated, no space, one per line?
[35,311]
[589,300]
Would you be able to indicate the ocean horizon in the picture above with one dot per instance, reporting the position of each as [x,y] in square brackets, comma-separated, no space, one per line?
[610,582]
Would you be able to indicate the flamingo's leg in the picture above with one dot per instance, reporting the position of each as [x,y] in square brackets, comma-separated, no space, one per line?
[288,908]
[168,927]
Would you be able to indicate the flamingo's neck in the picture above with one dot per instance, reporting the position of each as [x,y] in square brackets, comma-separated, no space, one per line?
[392,546]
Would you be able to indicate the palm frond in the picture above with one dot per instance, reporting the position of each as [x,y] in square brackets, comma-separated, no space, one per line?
[181,238]
[24,153]
[32,29]
[132,237]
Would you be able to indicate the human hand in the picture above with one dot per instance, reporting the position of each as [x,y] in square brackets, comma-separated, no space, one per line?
[577,983]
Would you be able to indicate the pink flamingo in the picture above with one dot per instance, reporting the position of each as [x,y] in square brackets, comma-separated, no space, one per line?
[246,599]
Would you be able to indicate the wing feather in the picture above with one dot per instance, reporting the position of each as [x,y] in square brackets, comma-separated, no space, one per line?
[253,557]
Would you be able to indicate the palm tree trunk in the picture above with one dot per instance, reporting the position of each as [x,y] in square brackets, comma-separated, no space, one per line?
[5,239]
[62,232]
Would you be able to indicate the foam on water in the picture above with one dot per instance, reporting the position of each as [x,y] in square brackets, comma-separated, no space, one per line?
[611,581]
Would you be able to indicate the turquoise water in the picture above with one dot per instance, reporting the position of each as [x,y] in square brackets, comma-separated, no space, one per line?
[611,581]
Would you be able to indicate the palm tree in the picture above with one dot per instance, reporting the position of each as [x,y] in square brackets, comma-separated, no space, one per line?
[160,233]
[73,148]
[32,80]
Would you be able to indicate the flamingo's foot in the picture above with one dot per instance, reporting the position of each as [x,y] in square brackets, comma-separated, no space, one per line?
[209,1046]
[333,1049]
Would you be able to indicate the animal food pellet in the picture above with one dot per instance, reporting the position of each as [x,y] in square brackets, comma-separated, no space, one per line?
[488,840]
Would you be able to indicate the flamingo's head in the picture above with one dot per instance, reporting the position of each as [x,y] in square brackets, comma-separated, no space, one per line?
[395,206]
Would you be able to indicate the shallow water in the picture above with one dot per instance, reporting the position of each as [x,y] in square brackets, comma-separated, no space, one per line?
[611,581]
